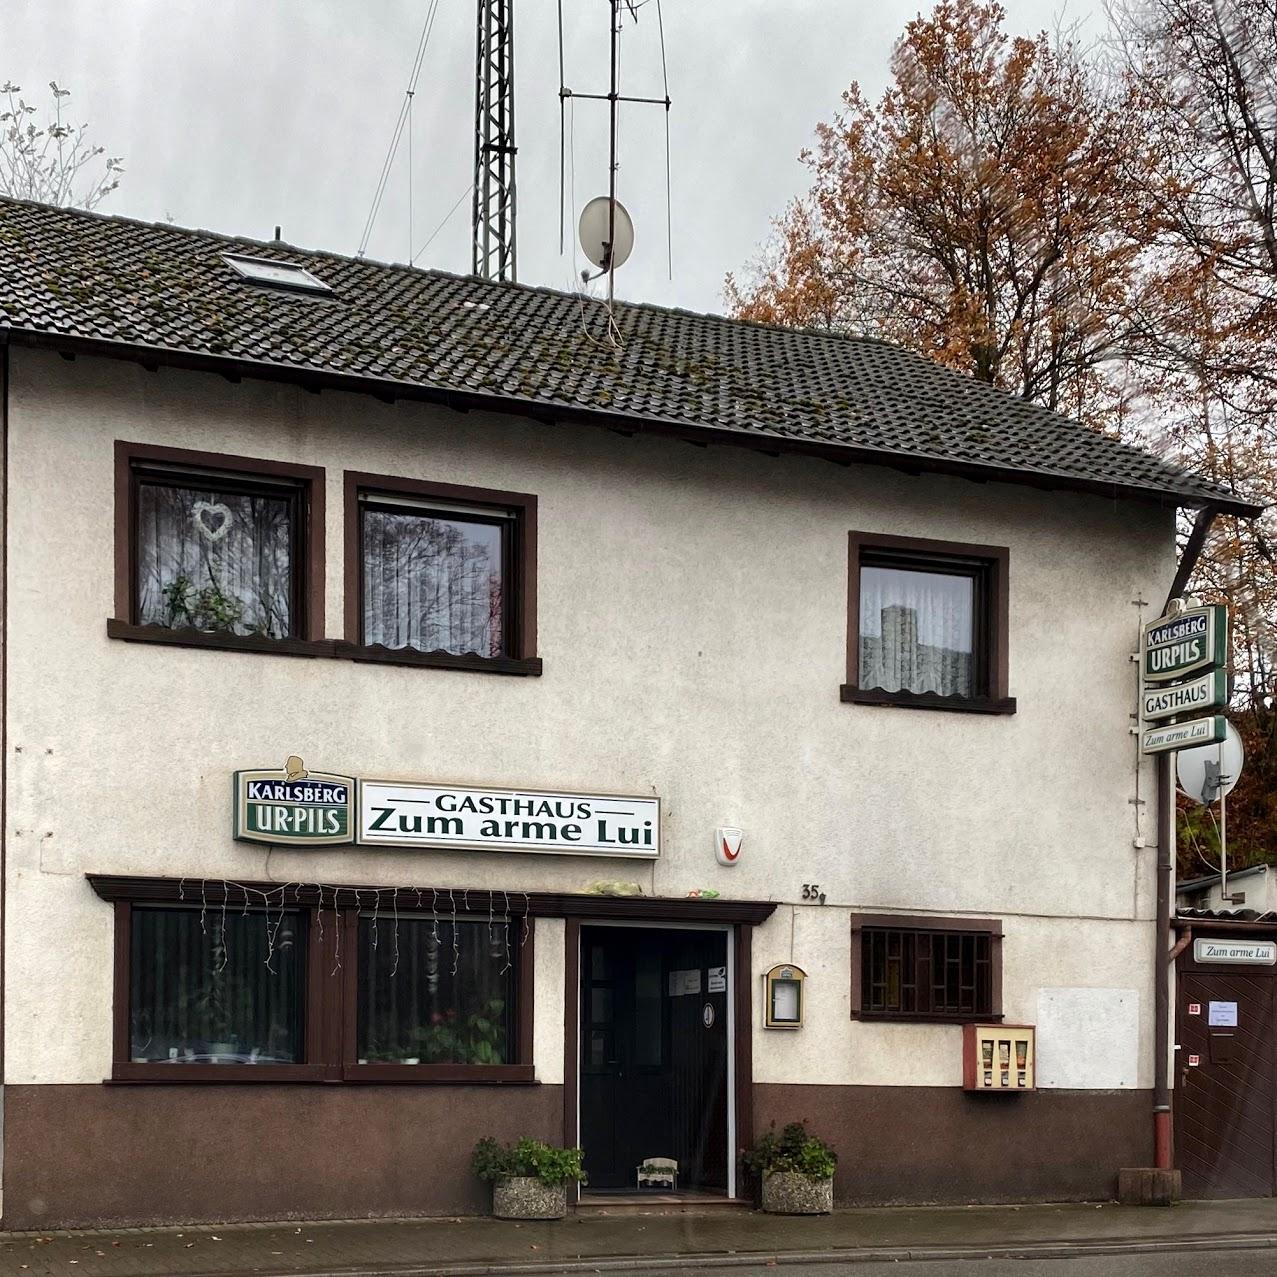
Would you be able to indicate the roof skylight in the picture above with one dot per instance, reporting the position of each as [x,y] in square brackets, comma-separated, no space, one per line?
[264,270]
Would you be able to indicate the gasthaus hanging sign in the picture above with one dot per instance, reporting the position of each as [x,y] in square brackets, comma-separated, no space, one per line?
[1195,696]
[1178,645]
[413,814]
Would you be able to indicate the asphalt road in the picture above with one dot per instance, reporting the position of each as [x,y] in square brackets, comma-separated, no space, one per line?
[1195,1263]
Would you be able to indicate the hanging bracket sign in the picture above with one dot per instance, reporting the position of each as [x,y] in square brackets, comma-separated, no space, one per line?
[1179,645]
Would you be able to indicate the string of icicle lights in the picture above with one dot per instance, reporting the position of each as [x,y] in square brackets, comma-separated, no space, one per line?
[273,904]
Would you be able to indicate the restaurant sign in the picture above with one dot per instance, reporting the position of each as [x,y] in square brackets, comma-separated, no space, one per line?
[1195,696]
[1254,953]
[294,807]
[1177,645]
[1198,731]
[412,814]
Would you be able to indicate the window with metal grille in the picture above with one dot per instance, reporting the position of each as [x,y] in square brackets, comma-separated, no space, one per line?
[949,971]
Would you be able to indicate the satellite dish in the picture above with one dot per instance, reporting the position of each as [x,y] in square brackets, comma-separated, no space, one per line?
[596,229]
[1207,773]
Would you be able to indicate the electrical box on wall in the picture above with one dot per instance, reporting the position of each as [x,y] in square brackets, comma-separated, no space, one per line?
[998,1057]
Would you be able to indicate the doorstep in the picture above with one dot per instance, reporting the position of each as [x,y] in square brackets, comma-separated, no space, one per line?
[690,1202]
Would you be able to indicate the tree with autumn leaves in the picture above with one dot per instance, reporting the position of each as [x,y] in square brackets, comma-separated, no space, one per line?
[1093,230]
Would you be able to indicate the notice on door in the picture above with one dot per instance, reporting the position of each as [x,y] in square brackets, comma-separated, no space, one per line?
[718,979]
[1222,1015]
[683,983]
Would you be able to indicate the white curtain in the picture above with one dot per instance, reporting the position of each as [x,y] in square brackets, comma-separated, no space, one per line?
[432,584]
[916,631]
[214,560]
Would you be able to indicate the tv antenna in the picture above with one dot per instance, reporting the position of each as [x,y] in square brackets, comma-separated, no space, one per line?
[606,229]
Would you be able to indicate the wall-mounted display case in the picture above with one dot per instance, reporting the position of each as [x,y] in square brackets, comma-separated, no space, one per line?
[999,1057]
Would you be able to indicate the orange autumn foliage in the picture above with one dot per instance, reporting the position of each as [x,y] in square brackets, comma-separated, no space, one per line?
[1094,233]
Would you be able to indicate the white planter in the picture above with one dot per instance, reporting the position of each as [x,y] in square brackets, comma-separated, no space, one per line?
[526,1197]
[788,1193]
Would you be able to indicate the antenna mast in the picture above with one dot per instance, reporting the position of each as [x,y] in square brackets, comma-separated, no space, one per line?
[494,149]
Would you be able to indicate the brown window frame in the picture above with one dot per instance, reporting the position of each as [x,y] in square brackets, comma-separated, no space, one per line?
[877,923]
[989,565]
[308,538]
[520,619]
[331,1007]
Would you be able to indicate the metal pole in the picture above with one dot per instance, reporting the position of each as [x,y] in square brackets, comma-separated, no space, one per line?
[1162,1152]
[1161,974]
[611,185]
[1223,838]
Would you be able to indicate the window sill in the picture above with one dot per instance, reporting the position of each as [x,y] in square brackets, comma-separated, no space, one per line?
[137,1074]
[378,654]
[443,1074]
[131,633]
[179,1074]
[210,640]
[927,700]
[913,1017]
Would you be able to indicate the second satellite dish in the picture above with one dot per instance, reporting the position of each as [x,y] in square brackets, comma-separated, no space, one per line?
[1208,772]
[597,228]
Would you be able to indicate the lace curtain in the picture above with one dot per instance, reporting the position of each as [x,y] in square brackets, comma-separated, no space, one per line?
[916,631]
[432,583]
[214,560]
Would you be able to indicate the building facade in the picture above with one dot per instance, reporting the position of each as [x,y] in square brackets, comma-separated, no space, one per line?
[550,663]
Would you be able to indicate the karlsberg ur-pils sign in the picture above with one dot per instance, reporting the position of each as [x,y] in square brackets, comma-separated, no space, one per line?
[300,808]
[294,806]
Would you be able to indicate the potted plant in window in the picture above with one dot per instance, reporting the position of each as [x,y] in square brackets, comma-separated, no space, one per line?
[529,1179]
[796,1171]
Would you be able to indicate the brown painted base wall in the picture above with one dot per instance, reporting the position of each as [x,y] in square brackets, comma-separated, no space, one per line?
[905,1144]
[119,1155]
[98,1155]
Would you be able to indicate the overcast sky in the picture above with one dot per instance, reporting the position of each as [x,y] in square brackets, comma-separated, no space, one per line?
[238,115]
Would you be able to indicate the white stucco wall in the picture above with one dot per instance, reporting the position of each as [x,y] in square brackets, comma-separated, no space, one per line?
[692,620]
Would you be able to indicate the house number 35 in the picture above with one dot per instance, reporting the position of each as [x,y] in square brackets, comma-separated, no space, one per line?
[812,891]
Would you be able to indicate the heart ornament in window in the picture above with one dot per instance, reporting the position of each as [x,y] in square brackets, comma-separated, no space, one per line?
[212,520]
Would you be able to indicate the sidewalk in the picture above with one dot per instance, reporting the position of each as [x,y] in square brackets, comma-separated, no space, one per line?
[633,1242]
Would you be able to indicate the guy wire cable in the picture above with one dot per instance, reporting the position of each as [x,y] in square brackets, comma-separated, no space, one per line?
[400,122]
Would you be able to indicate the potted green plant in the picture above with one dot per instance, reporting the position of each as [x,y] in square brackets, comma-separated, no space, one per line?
[529,1179]
[796,1171]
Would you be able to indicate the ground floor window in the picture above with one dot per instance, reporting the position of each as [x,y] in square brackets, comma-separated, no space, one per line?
[435,991]
[226,983]
[216,990]
[926,968]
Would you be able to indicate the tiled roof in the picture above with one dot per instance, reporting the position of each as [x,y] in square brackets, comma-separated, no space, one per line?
[69,277]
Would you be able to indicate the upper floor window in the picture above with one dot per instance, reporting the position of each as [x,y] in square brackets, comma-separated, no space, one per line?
[440,574]
[217,552]
[215,549]
[927,624]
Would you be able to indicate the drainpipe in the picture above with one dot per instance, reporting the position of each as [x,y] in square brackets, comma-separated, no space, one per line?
[1165,886]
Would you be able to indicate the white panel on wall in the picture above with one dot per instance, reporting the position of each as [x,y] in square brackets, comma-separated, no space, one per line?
[1088,1038]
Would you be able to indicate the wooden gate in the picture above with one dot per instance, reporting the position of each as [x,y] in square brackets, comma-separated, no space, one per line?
[1225,1112]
